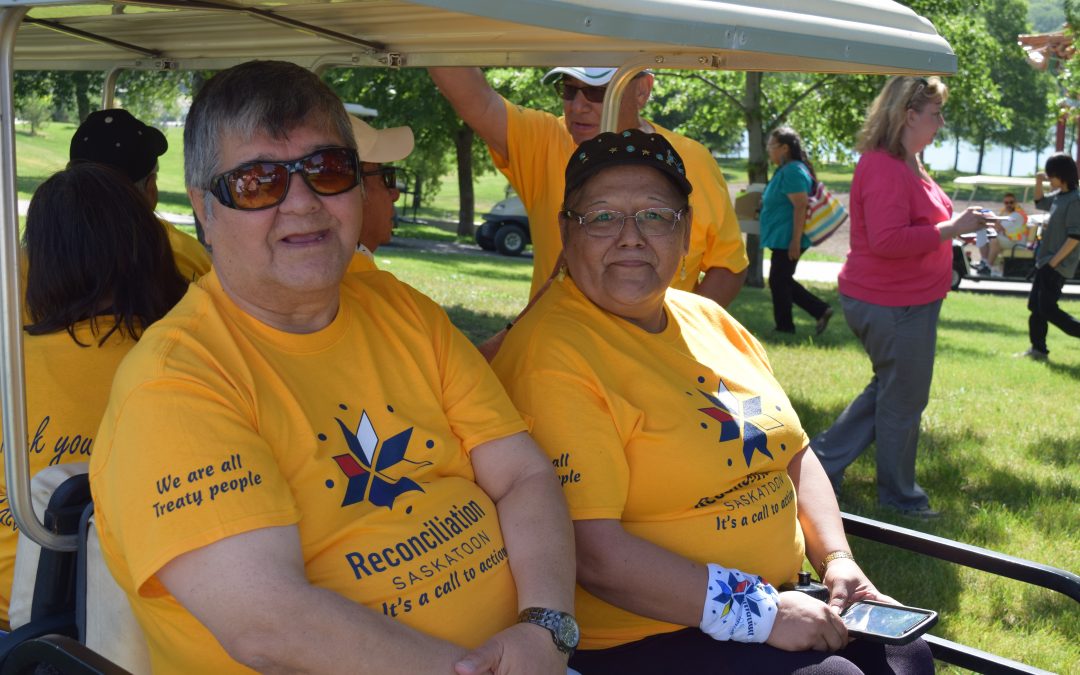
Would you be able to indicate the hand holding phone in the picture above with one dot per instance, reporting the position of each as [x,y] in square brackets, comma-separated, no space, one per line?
[882,622]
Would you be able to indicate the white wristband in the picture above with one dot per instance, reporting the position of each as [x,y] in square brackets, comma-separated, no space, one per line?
[738,606]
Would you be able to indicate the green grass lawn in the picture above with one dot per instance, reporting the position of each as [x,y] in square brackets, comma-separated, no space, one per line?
[998,452]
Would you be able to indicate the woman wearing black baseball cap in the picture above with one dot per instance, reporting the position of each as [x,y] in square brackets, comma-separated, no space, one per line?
[686,469]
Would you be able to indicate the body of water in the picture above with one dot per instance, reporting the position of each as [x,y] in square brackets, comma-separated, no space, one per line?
[995,161]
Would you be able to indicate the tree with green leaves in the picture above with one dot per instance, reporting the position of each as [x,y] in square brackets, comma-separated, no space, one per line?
[1027,94]
[35,111]
[406,97]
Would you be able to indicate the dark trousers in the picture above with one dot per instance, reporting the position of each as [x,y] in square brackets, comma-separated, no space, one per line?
[785,291]
[691,652]
[1043,304]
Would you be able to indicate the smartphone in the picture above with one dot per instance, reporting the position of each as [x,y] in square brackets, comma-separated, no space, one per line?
[891,624]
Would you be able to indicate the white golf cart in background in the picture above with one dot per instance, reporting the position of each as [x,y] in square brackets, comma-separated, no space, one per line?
[1017,261]
[78,630]
[506,226]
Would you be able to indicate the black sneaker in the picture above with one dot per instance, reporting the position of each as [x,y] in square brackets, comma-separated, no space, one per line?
[982,268]
[823,322]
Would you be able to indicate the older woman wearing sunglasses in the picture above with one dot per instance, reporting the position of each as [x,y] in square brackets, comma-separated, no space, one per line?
[688,475]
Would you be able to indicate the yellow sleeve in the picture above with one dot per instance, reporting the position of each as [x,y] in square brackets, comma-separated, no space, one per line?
[477,407]
[533,141]
[589,459]
[219,477]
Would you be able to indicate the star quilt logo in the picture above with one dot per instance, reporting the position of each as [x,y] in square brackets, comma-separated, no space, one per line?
[741,419]
[734,591]
[375,472]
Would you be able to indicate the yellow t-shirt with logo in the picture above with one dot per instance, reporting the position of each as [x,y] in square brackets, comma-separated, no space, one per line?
[67,387]
[539,147]
[684,436]
[359,434]
[190,255]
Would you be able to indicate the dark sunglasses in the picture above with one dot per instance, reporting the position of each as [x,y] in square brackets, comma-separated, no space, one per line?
[569,92]
[388,173]
[262,185]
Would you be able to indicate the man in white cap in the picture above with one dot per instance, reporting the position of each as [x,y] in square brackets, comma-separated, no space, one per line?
[377,147]
[532,147]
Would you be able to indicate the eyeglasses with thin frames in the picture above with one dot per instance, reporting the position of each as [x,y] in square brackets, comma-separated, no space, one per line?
[262,185]
[654,222]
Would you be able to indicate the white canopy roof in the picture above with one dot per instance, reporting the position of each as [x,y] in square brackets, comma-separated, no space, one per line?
[848,36]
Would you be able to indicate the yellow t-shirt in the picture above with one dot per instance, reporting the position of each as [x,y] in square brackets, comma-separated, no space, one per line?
[539,146]
[67,387]
[191,257]
[684,436]
[362,260]
[359,434]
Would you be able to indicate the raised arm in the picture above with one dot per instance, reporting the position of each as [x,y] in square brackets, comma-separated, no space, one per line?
[475,102]
[250,591]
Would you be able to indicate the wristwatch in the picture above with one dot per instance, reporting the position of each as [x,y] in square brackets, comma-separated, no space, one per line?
[564,629]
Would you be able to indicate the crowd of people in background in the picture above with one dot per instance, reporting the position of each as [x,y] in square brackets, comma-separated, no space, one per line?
[336,434]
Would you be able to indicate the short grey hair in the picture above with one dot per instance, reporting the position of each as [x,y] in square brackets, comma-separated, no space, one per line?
[269,97]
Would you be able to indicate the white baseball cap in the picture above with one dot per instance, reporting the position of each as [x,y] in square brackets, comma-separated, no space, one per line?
[381,145]
[596,77]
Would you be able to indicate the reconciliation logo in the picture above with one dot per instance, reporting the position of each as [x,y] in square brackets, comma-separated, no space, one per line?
[744,419]
[369,468]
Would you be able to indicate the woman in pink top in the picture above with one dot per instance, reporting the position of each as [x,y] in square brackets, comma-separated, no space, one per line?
[891,287]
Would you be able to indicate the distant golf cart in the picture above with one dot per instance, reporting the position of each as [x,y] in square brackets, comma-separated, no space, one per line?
[1017,263]
[506,227]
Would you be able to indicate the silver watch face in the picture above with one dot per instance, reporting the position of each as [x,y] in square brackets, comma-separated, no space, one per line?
[569,633]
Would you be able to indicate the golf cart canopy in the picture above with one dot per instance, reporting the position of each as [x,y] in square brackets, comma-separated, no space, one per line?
[837,36]
[834,36]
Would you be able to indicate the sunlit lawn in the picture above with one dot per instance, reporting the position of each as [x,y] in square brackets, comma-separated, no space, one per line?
[999,451]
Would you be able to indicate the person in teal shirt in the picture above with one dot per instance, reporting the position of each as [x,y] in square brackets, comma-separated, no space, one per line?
[783,219]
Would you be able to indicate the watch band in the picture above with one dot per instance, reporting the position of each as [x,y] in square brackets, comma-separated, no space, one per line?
[835,555]
[562,626]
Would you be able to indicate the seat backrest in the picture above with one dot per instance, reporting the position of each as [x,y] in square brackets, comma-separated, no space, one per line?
[107,624]
[27,552]
[110,627]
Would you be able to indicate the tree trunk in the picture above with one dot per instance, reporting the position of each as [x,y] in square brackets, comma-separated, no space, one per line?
[982,152]
[757,168]
[956,156]
[463,142]
[82,95]
[1012,156]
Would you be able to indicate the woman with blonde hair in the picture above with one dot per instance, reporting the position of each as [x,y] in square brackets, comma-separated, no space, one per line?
[897,273]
